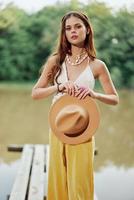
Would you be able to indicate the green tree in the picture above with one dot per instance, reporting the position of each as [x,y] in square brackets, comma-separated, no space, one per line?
[27,40]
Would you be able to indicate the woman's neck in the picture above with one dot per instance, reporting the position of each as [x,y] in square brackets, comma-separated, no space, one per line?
[77,50]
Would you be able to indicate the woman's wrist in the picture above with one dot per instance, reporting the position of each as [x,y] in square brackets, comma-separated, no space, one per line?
[97,95]
[58,87]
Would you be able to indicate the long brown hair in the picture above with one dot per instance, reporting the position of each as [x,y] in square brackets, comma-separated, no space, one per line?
[64,47]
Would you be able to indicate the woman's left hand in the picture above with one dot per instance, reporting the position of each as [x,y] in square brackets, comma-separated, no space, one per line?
[83,92]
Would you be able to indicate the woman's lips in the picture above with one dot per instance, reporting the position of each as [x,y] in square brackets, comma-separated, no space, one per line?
[74,37]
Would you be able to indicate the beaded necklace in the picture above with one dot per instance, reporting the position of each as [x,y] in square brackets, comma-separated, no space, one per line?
[79,59]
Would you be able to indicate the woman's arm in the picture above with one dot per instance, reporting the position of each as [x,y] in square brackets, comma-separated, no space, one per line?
[101,72]
[111,95]
[41,88]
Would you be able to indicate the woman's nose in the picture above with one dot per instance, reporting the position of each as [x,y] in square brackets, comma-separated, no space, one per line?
[73,31]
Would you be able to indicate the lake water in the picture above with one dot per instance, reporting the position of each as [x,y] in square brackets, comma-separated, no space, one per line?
[23,120]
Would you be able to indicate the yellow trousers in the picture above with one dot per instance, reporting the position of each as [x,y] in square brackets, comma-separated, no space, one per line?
[70,175]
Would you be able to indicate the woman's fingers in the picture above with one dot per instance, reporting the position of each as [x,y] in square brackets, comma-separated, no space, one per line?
[71,88]
[77,93]
[74,90]
[90,93]
[83,93]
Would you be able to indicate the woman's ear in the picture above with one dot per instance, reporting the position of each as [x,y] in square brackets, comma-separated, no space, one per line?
[88,31]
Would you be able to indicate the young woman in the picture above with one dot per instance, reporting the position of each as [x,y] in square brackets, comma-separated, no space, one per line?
[73,70]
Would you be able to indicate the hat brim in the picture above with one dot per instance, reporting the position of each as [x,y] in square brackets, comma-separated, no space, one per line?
[89,104]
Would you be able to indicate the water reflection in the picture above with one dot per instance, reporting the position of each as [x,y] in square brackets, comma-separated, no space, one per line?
[115,137]
[23,119]
[8,157]
[114,183]
[7,176]
[26,121]
[111,182]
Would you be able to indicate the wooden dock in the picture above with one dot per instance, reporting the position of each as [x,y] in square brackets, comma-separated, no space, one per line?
[31,179]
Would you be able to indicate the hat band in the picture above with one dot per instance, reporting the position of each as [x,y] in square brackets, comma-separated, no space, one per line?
[76,134]
[73,134]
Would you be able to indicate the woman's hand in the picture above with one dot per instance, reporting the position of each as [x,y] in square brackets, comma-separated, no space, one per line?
[69,87]
[83,92]
[74,90]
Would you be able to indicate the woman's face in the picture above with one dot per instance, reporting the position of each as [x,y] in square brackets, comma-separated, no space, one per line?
[75,31]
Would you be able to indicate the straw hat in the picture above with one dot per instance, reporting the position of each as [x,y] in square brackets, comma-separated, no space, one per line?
[72,120]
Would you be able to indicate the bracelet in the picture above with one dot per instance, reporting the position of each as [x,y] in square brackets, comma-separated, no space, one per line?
[58,87]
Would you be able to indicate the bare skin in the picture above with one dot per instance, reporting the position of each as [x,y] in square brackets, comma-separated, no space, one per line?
[74,26]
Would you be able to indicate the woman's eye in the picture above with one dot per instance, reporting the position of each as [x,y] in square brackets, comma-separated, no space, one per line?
[78,26]
[68,28]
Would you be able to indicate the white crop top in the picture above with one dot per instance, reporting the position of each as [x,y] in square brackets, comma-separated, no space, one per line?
[85,79]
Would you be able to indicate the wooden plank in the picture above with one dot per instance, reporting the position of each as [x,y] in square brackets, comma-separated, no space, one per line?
[20,186]
[15,148]
[36,187]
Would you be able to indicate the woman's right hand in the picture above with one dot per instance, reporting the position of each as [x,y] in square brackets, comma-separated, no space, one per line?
[69,87]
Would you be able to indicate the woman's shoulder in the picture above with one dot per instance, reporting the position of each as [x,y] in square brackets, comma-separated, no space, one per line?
[98,63]
[98,66]
[52,60]
[50,63]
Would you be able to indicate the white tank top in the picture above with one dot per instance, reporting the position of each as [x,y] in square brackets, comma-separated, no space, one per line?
[85,79]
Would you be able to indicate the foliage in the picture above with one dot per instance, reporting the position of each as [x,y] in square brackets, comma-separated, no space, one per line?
[27,40]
